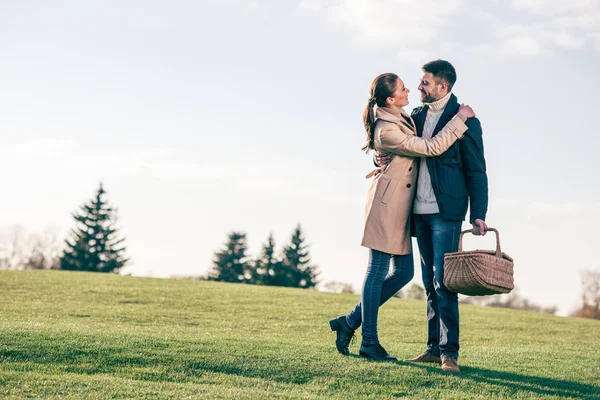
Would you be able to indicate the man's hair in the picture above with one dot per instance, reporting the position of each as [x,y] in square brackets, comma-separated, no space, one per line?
[441,69]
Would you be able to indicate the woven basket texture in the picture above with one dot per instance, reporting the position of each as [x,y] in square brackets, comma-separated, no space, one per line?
[479,272]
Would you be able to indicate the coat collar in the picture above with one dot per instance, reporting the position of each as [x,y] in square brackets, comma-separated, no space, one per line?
[420,113]
[395,117]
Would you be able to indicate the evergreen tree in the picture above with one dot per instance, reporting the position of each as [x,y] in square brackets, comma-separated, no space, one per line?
[231,263]
[94,244]
[267,264]
[296,270]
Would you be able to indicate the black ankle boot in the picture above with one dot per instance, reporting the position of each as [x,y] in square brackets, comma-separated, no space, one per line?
[344,334]
[376,352]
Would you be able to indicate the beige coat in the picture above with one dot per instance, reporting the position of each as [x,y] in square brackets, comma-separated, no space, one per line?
[390,198]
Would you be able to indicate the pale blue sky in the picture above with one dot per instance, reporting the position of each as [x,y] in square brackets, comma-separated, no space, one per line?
[205,117]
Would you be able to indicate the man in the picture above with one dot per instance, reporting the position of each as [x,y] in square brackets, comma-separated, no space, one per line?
[445,186]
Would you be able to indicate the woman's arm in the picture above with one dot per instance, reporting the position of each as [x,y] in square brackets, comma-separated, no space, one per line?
[393,140]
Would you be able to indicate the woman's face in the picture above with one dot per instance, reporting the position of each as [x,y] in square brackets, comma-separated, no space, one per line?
[400,98]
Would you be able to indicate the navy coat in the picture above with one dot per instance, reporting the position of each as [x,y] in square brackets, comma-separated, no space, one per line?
[459,174]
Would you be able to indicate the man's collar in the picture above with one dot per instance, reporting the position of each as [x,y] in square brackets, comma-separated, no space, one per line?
[440,104]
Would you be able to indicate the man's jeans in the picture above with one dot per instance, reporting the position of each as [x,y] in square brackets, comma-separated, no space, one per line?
[379,287]
[437,236]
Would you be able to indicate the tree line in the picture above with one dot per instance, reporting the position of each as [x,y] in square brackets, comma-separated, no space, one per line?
[290,268]
[95,245]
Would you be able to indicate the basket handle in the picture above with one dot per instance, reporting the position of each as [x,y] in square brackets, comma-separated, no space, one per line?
[498,250]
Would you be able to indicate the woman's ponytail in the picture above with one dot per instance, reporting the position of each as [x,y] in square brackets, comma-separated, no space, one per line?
[369,123]
[382,87]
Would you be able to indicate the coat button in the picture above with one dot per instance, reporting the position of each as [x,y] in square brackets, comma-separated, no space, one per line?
[408,185]
[410,169]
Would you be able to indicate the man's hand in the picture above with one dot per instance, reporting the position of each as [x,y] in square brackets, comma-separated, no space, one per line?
[383,159]
[479,227]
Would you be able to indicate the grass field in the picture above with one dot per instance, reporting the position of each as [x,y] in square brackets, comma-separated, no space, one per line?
[83,335]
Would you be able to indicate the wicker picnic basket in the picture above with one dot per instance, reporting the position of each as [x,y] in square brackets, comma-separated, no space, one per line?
[478,272]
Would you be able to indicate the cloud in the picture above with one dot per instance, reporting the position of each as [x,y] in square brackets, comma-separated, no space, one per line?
[505,202]
[414,55]
[556,209]
[521,45]
[406,26]
[55,157]
[594,38]
[313,5]
[49,148]
[534,41]
[555,7]
[566,40]
[550,25]
[579,208]
[389,22]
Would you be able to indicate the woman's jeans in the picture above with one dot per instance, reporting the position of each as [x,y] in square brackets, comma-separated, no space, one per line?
[379,287]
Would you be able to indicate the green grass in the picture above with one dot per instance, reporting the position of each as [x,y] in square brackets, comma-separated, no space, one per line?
[79,335]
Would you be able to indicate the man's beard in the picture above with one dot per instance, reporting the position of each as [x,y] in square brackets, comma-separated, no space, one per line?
[427,98]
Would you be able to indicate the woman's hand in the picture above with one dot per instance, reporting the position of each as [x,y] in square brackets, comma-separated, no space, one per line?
[465,112]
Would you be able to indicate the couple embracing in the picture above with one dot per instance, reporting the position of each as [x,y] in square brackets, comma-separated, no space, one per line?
[431,168]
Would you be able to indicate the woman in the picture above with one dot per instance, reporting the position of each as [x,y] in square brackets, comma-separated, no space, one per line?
[387,215]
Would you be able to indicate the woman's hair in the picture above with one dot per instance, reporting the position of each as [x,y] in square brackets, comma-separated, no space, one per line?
[382,87]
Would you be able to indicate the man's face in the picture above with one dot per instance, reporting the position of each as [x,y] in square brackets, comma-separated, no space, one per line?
[431,88]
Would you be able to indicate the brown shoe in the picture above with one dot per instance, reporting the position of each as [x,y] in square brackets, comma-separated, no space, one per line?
[449,364]
[425,358]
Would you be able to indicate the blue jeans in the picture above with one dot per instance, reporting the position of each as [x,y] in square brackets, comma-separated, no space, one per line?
[379,287]
[437,236]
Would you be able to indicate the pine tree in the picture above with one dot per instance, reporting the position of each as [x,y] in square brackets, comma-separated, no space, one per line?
[296,270]
[231,263]
[267,264]
[94,244]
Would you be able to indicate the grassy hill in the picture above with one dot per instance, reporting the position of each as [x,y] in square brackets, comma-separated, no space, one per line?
[83,335]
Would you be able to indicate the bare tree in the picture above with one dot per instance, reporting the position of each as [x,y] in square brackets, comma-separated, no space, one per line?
[510,300]
[13,248]
[590,308]
[414,291]
[21,250]
[44,250]
[338,287]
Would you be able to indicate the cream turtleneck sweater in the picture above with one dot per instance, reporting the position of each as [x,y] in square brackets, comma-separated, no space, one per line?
[425,201]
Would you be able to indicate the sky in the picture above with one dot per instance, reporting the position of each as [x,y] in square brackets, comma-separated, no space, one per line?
[201,118]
